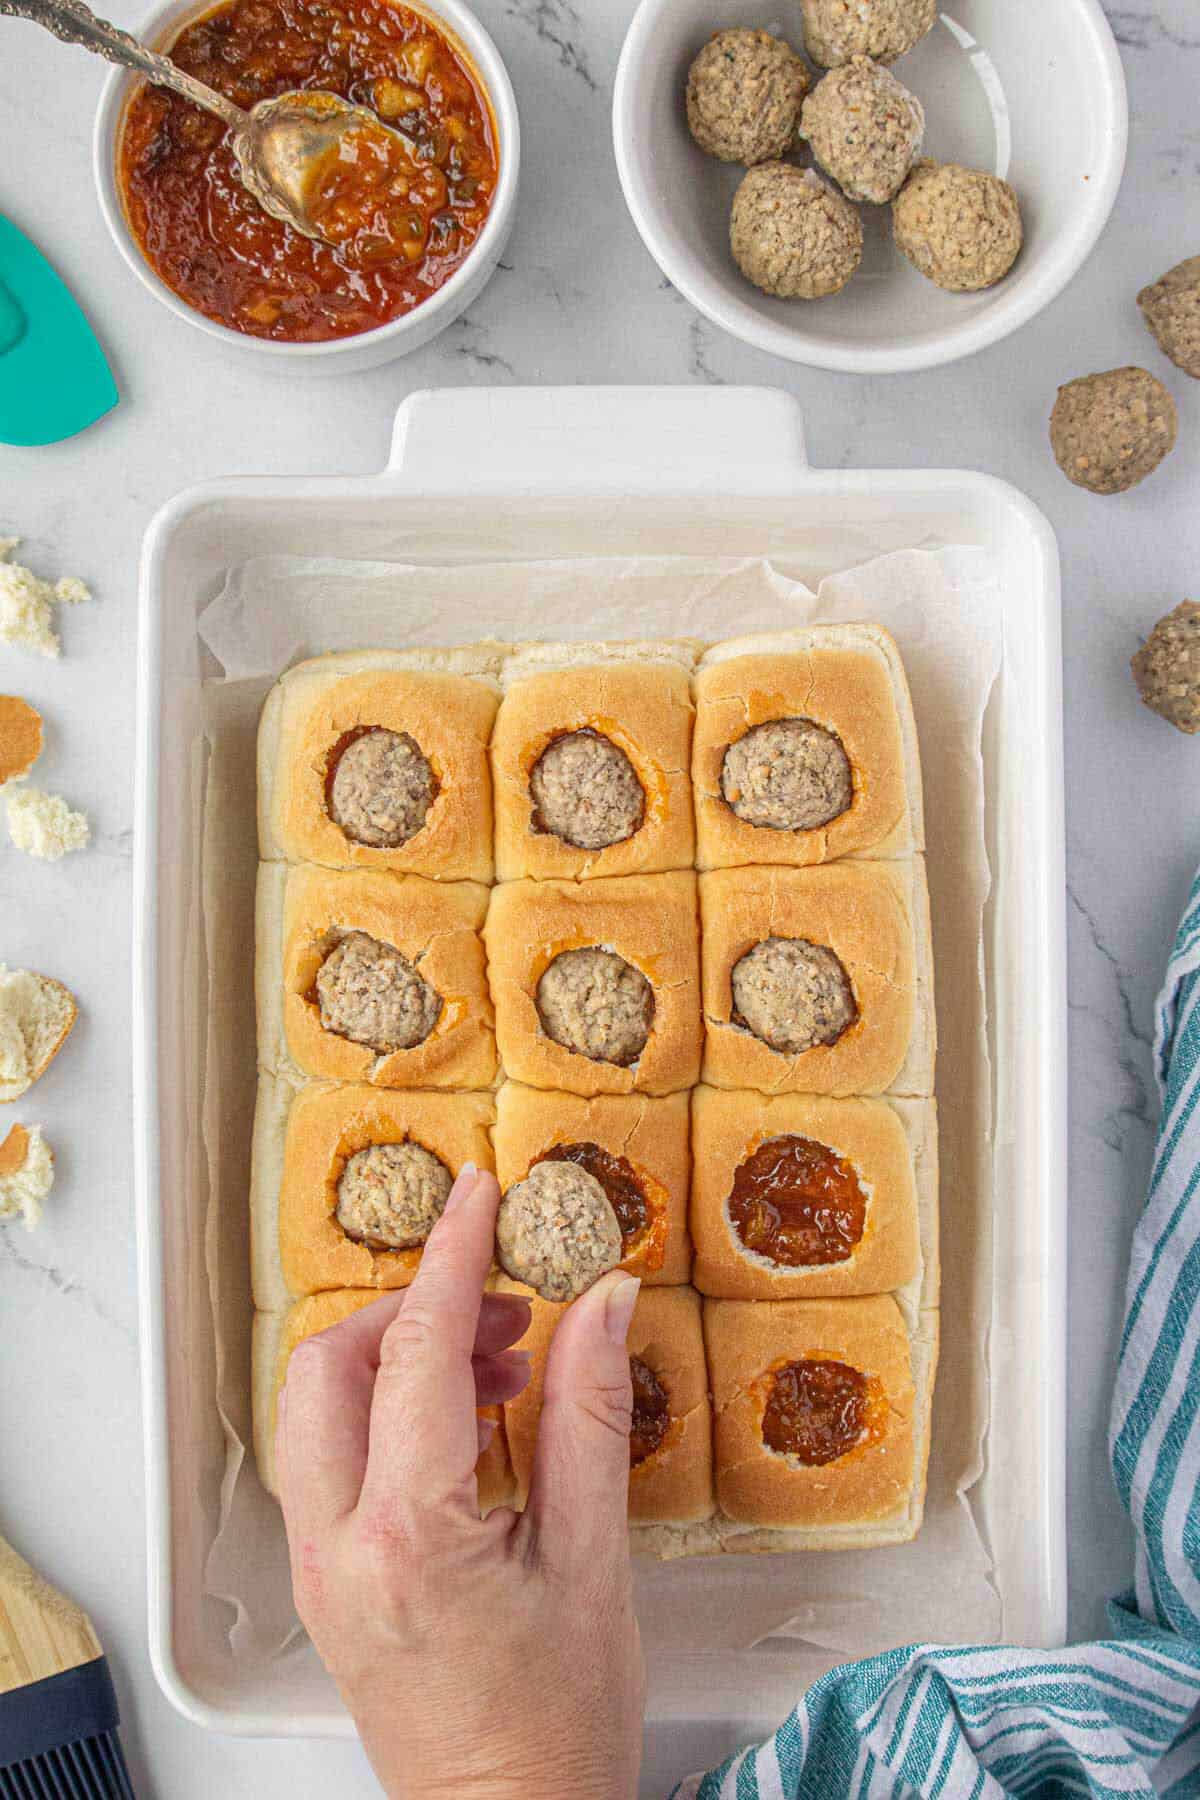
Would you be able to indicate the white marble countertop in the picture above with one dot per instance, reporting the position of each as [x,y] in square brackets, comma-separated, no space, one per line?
[578,300]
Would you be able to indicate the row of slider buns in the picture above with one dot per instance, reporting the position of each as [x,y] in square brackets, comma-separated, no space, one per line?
[483,714]
[711,1483]
[483,951]
[680,1156]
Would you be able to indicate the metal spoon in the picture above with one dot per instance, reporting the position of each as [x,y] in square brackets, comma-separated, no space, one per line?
[280,146]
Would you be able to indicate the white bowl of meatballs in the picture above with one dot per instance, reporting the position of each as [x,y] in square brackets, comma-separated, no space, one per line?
[870,185]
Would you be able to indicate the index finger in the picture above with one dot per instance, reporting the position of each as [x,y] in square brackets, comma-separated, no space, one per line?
[424,1438]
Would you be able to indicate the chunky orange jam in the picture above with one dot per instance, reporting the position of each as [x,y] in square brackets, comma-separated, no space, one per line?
[797,1203]
[651,1412]
[403,217]
[817,1410]
[625,1193]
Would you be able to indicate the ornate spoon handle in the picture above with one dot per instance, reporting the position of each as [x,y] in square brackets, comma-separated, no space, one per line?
[74,23]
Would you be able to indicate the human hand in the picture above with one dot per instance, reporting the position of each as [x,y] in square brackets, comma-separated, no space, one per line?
[483,1659]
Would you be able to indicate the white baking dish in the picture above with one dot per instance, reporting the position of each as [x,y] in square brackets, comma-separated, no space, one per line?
[569,473]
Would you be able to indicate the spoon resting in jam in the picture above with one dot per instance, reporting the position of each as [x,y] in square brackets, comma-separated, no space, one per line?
[320,164]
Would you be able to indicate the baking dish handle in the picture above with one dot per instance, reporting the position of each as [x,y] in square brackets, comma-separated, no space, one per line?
[589,440]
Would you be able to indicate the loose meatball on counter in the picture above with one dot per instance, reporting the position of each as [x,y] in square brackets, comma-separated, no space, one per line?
[1109,431]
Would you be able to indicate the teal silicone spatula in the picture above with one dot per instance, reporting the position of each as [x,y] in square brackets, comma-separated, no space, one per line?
[54,380]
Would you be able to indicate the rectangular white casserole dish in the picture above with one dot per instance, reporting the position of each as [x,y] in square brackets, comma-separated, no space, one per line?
[572,473]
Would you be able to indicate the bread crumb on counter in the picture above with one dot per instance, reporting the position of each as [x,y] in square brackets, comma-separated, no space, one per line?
[44,825]
[36,1016]
[26,1175]
[27,604]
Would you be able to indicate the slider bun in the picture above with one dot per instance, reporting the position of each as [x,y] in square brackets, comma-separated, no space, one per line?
[873,1137]
[849,680]
[865,914]
[674,1484]
[651,1135]
[302,913]
[642,706]
[449,717]
[647,920]
[537,658]
[302,1142]
[875,1487]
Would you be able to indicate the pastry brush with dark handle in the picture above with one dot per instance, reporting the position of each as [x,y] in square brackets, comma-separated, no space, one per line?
[58,1710]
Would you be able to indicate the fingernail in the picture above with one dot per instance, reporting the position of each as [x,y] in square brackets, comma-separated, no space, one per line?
[487,1431]
[618,1308]
[464,1185]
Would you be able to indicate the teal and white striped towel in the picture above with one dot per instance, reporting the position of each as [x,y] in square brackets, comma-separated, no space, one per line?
[1118,1717]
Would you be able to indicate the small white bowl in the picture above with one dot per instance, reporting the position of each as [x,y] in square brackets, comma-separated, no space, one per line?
[368,349]
[1034,93]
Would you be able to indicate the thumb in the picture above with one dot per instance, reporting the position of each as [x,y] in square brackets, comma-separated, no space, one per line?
[579,1494]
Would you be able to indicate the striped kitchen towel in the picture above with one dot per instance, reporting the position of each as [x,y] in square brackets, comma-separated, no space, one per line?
[1118,1717]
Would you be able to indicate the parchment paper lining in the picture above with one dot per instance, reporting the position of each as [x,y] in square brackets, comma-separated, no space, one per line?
[811,1611]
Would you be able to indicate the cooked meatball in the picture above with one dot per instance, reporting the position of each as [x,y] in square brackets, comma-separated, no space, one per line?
[1167,668]
[593,1002]
[382,789]
[1171,308]
[792,994]
[1110,431]
[865,129]
[392,1195]
[743,96]
[556,1231]
[370,993]
[961,228]
[793,236]
[787,775]
[585,791]
[836,30]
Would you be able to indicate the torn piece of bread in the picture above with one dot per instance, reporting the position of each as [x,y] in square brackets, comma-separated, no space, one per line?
[27,604]
[26,1174]
[20,737]
[44,825]
[36,1016]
